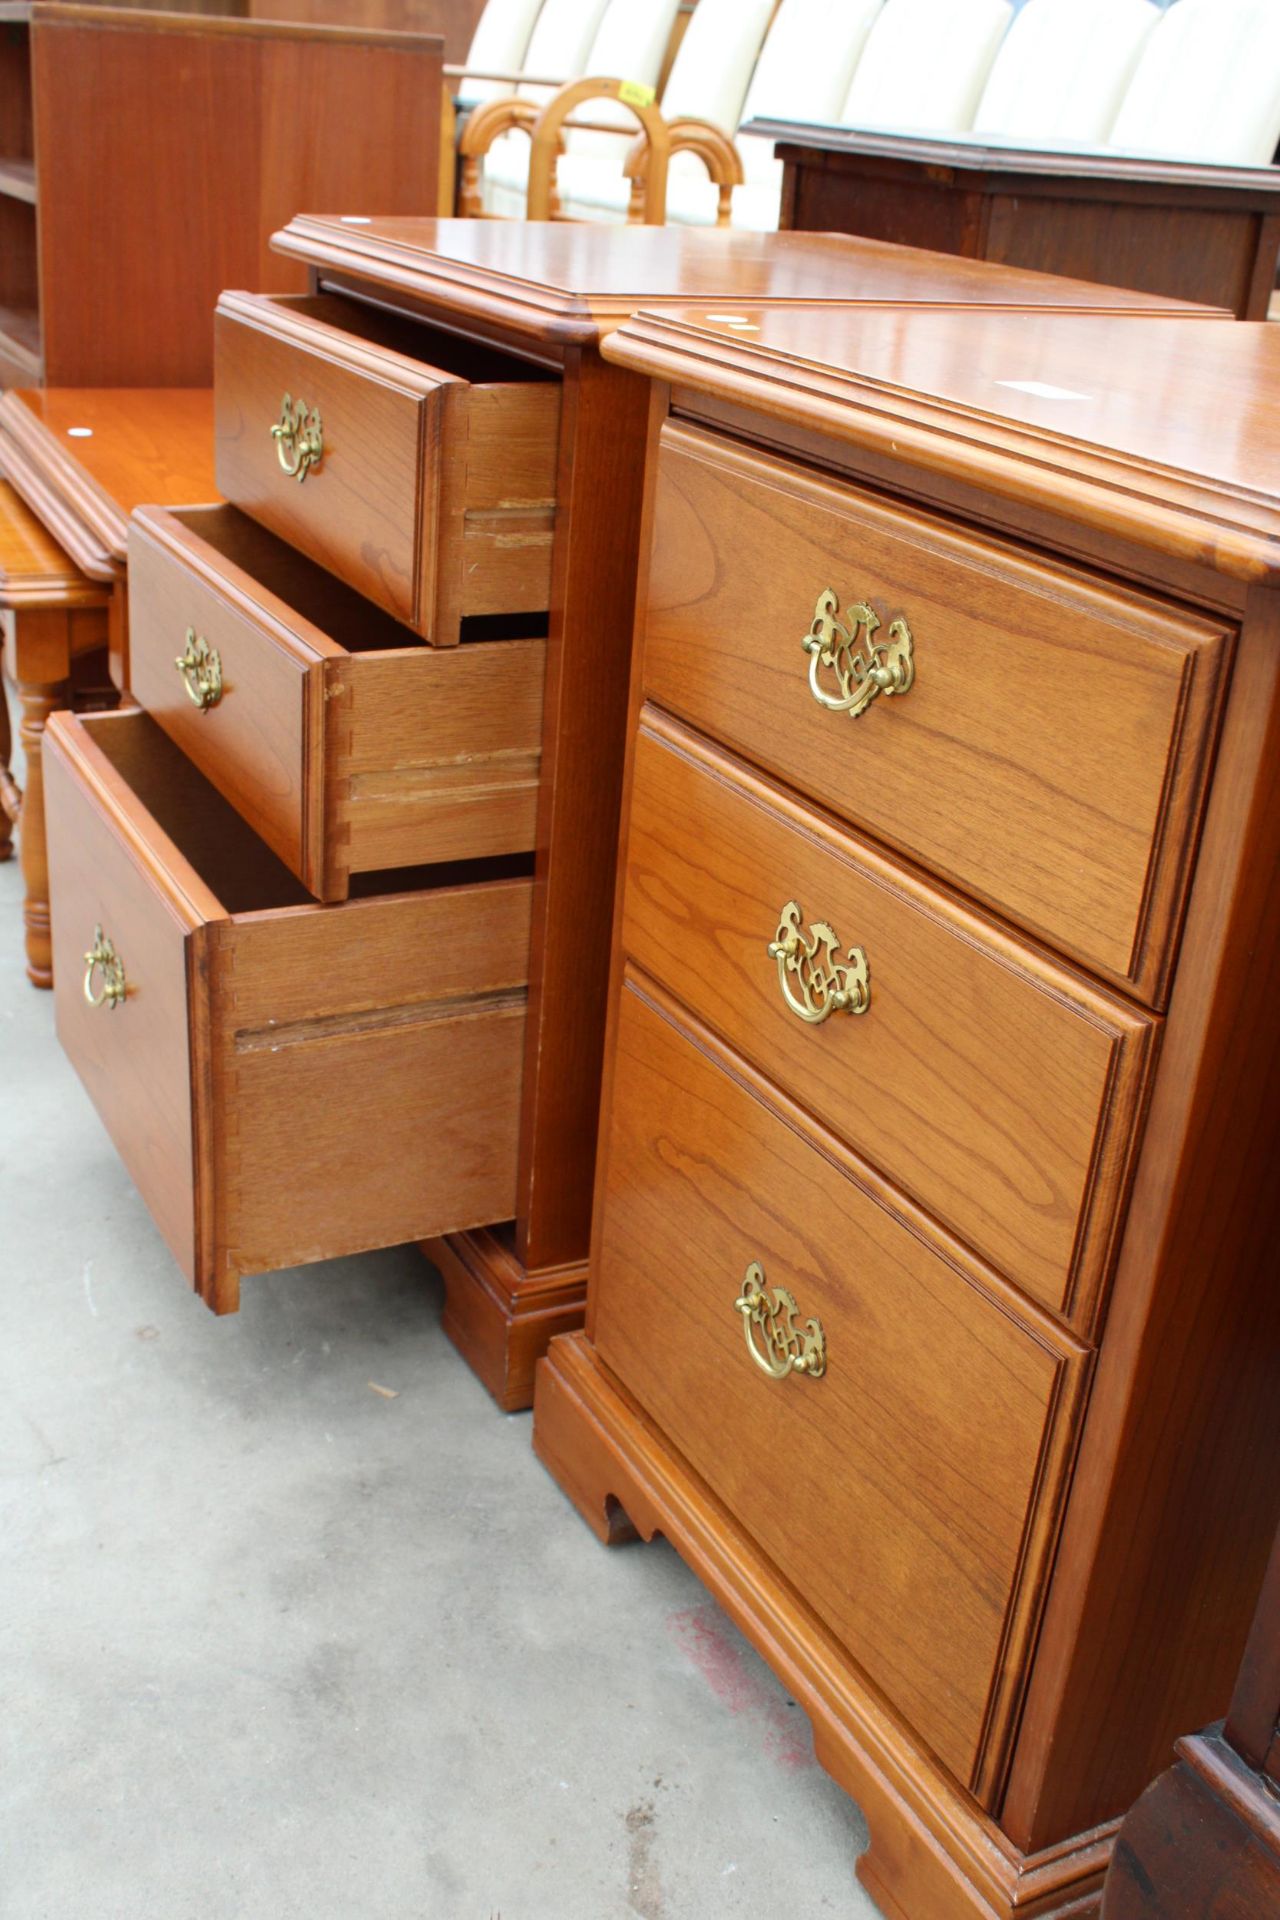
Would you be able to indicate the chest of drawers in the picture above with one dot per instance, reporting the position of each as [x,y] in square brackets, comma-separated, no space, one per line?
[932,1308]
[394,670]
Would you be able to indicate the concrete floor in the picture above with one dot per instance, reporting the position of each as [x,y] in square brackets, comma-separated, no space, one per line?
[276,1644]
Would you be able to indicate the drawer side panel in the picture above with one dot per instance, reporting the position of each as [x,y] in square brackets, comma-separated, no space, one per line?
[134,1058]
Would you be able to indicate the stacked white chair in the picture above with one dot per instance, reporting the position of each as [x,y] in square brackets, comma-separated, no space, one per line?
[804,71]
[630,44]
[708,81]
[559,46]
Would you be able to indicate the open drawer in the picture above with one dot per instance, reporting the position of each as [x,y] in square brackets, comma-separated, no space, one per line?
[285,1082]
[418,466]
[347,745]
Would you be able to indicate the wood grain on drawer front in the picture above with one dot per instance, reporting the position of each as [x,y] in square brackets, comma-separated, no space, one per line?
[107,870]
[283,1080]
[429,506]
[910,1492]
[377,1049]
[1051,755]
[997,1088]
[343,762]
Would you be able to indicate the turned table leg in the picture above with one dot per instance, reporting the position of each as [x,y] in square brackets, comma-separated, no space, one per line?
[37,702]
[10,793]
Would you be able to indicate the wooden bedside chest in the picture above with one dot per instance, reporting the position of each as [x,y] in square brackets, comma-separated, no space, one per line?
[398,657]
[933,1310]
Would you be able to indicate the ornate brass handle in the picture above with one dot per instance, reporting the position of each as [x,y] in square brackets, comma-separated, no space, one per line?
[103,958]
[201,670]
[784,1347]
[861,668]
[815,981]
[299,438]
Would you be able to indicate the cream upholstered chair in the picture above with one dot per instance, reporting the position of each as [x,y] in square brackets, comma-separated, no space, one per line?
[919,57]
[925,65]
[1062,72]
[1207,87]
[805,69]
[498,46]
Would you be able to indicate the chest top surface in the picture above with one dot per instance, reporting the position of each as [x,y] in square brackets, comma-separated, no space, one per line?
[1167,434]
[107,450]
[568,282]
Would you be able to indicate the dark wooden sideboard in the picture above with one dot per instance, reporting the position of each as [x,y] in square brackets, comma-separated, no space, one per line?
[146,159]
[1197,232]
[1203,1842]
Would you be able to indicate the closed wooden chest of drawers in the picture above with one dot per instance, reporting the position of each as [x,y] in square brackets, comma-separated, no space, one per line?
[933,1309]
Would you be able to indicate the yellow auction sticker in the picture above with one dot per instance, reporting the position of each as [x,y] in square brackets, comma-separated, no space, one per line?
[632,94]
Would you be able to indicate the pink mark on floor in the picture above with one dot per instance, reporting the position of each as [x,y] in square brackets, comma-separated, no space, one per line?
[731,1670]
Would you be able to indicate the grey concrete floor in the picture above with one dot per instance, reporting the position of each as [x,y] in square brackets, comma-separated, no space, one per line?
[275,1644]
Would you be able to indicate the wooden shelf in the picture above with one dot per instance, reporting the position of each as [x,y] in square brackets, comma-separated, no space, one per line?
[18,180]
[20,339]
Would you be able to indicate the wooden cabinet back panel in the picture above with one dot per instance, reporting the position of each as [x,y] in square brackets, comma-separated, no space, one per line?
[1050,755]
[193,142]
[897,1489]
[996,1088]
[134,1057]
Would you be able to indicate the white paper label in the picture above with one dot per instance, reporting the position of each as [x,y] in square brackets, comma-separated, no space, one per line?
[1041,390]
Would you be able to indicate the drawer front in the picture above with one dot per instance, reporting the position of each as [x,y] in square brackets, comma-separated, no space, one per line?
[343,762]
[132,1054]
[434,490]
[1038,738]
[367,509]
[909,1489]
[256,738]
[999,1090]
[286,1082]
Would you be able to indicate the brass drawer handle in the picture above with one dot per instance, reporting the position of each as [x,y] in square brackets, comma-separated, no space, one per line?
[201,670]
[815,982]
[785,1348]
[103,958]
[299,438]
[862,668]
